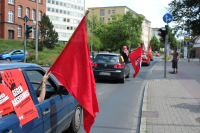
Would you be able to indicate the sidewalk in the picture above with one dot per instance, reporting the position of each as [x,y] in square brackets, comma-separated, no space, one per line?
[172,104]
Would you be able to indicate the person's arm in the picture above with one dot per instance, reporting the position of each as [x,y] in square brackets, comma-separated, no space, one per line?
[43,90]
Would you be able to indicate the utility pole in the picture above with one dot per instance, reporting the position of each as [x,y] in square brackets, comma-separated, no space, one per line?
[36,47]
[189,44]
[166,42]
[25,39]
[92,31]
[130,39]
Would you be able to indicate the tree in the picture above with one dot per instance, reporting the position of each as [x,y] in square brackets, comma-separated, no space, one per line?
[48,34]
[155,44]
[96,45]
[185,12]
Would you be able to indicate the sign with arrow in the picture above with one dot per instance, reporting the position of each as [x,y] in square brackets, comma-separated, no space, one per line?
[167,18]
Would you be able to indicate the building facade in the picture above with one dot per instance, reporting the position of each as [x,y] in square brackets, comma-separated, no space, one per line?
[155,32]
[11,17]
[196,45]
[65,16]
[106,12]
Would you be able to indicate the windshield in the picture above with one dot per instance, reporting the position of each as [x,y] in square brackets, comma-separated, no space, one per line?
[143,55]
[107,58]
[6,52]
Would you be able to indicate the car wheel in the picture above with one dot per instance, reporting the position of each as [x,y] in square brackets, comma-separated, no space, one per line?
[76,120]
[8,59]
[123,79]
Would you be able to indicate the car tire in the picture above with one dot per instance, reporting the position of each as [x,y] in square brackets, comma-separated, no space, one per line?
[8,59]
[122,80]
[76,120]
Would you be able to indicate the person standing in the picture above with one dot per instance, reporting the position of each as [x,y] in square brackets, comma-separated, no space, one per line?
[125,54]
[174,61]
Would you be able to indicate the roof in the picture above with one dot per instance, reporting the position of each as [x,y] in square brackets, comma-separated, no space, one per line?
[12,65]
[108,53]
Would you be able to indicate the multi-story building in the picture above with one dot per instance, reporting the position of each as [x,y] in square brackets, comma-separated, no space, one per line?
[11,17]
[65,16]
[106,12]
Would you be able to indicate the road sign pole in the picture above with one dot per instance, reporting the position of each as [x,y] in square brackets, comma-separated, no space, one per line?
[166,42]
[25,41]
[36,47]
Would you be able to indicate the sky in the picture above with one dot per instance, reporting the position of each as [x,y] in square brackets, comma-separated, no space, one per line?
[153,10]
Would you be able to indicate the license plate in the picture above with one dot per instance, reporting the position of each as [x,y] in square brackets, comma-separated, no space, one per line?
[104,73]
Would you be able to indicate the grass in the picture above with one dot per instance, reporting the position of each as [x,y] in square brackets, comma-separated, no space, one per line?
[167,58]
[45,57]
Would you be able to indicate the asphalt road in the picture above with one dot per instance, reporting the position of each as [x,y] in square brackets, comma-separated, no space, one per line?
[118,103]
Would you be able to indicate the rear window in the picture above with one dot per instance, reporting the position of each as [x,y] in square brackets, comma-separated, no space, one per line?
[143,55]
[107,58]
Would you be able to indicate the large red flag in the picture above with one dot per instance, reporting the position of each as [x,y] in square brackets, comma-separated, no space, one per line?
[74,70]
[135,58]
[150,52]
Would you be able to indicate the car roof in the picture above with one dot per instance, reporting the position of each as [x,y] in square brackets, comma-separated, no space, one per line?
[108,54]
[4,65]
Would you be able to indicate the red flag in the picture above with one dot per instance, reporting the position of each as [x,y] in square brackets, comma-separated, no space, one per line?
[135,58]
[150,52]
[74,70]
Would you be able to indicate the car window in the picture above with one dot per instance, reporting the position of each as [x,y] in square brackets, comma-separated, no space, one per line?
[107,58]
[18,52]
[35,78]
[143,55]
[6,52]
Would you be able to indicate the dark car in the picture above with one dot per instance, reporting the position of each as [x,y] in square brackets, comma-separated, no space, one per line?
[59,110]
[110,66]
[13,55]
[145,60]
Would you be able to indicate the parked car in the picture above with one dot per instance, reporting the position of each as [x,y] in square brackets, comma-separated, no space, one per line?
[145,59]
[158,54]
[59,110]
[13,55]
[110,66]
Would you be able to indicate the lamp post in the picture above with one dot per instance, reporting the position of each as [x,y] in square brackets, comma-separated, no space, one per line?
[36,47]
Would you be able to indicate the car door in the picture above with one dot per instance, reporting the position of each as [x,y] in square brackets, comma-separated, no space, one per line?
[17,55]
[55,107]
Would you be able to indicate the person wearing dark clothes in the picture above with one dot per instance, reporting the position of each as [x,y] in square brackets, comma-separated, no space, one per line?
[125,54]
[174,61]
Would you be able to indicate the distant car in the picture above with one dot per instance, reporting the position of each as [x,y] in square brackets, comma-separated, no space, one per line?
[13,55]
[158,54]
[145,59]
[110,66]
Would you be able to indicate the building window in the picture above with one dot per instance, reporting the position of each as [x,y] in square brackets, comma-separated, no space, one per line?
[71,28]
[72,6]
[10,34]
[108,19]
[48,9]
[40,1]
[53,1]
[79,7]
[52,9]
[27,12]
[33,14]
[57,2]
[61,3]
[32,32]
[11,1]
[64,11]
[60,26]
[61,11]
[68,20]
[108,11]
[40,15]
[19,11]
[101,12]
[68,12]
[49,1]
[56,10]
[10,16]
[113,11]
[19,31]
[75,6]
[68,5]
[64,27]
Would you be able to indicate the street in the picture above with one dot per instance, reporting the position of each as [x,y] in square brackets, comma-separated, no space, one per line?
[118,103]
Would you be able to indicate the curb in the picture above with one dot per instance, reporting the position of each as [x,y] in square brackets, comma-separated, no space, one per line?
[143,124]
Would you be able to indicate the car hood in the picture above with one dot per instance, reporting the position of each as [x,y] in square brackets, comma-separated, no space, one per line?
[1,55]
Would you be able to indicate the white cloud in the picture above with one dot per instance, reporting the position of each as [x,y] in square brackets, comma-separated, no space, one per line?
[153,10]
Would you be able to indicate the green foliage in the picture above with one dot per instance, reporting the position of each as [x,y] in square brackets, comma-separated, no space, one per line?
[155,44]
[185,12]
[48,35]
[115,34]
[167,58]
[96,43]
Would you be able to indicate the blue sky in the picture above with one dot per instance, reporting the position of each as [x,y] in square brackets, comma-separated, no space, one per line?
[153,10]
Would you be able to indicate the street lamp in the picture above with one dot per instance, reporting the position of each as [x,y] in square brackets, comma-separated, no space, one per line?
[130,38]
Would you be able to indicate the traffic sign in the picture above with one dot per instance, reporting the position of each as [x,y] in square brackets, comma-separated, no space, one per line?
[25,18]
[167,18]
[186,41]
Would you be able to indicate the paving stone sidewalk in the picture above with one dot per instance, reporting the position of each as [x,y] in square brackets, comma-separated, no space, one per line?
[173,103]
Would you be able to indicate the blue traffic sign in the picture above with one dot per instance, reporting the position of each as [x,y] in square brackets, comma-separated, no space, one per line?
[167,18]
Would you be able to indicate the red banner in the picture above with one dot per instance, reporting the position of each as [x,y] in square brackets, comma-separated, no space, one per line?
[5,103]
[150,52]
[20,97]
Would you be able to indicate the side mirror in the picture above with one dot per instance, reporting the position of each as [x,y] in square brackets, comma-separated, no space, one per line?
[62,90]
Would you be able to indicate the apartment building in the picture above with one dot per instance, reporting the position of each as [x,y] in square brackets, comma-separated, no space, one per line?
[106,12]
[11,17]
[65,16]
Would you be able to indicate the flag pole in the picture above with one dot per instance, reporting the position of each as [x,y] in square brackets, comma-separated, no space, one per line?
[62,50]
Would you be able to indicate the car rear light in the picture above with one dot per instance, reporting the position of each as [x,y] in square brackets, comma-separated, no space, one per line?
[94,64]
[118,66]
